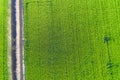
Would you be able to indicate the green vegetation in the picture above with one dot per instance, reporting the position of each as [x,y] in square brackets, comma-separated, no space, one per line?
[72,39]
[3,40]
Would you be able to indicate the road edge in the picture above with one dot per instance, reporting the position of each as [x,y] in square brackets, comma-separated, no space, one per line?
[9,42]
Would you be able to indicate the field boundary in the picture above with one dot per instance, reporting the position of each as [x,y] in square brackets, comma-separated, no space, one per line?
[9,42]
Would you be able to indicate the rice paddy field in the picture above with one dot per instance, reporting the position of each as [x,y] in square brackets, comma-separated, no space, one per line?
[71,39]
[3,40]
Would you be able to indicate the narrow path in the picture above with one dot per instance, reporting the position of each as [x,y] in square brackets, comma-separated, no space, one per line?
[20,70]
[13,37]
[17,40]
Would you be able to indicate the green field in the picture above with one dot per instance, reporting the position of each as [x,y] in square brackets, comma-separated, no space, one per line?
[3,40]
[72,39]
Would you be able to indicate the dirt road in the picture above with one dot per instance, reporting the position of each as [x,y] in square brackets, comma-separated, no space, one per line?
[17,40]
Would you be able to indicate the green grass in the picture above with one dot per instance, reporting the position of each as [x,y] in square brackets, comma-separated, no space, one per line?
[3,40]
[72,39]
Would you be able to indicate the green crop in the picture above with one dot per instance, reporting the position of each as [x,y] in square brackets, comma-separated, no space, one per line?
[72,39]
[3,40]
